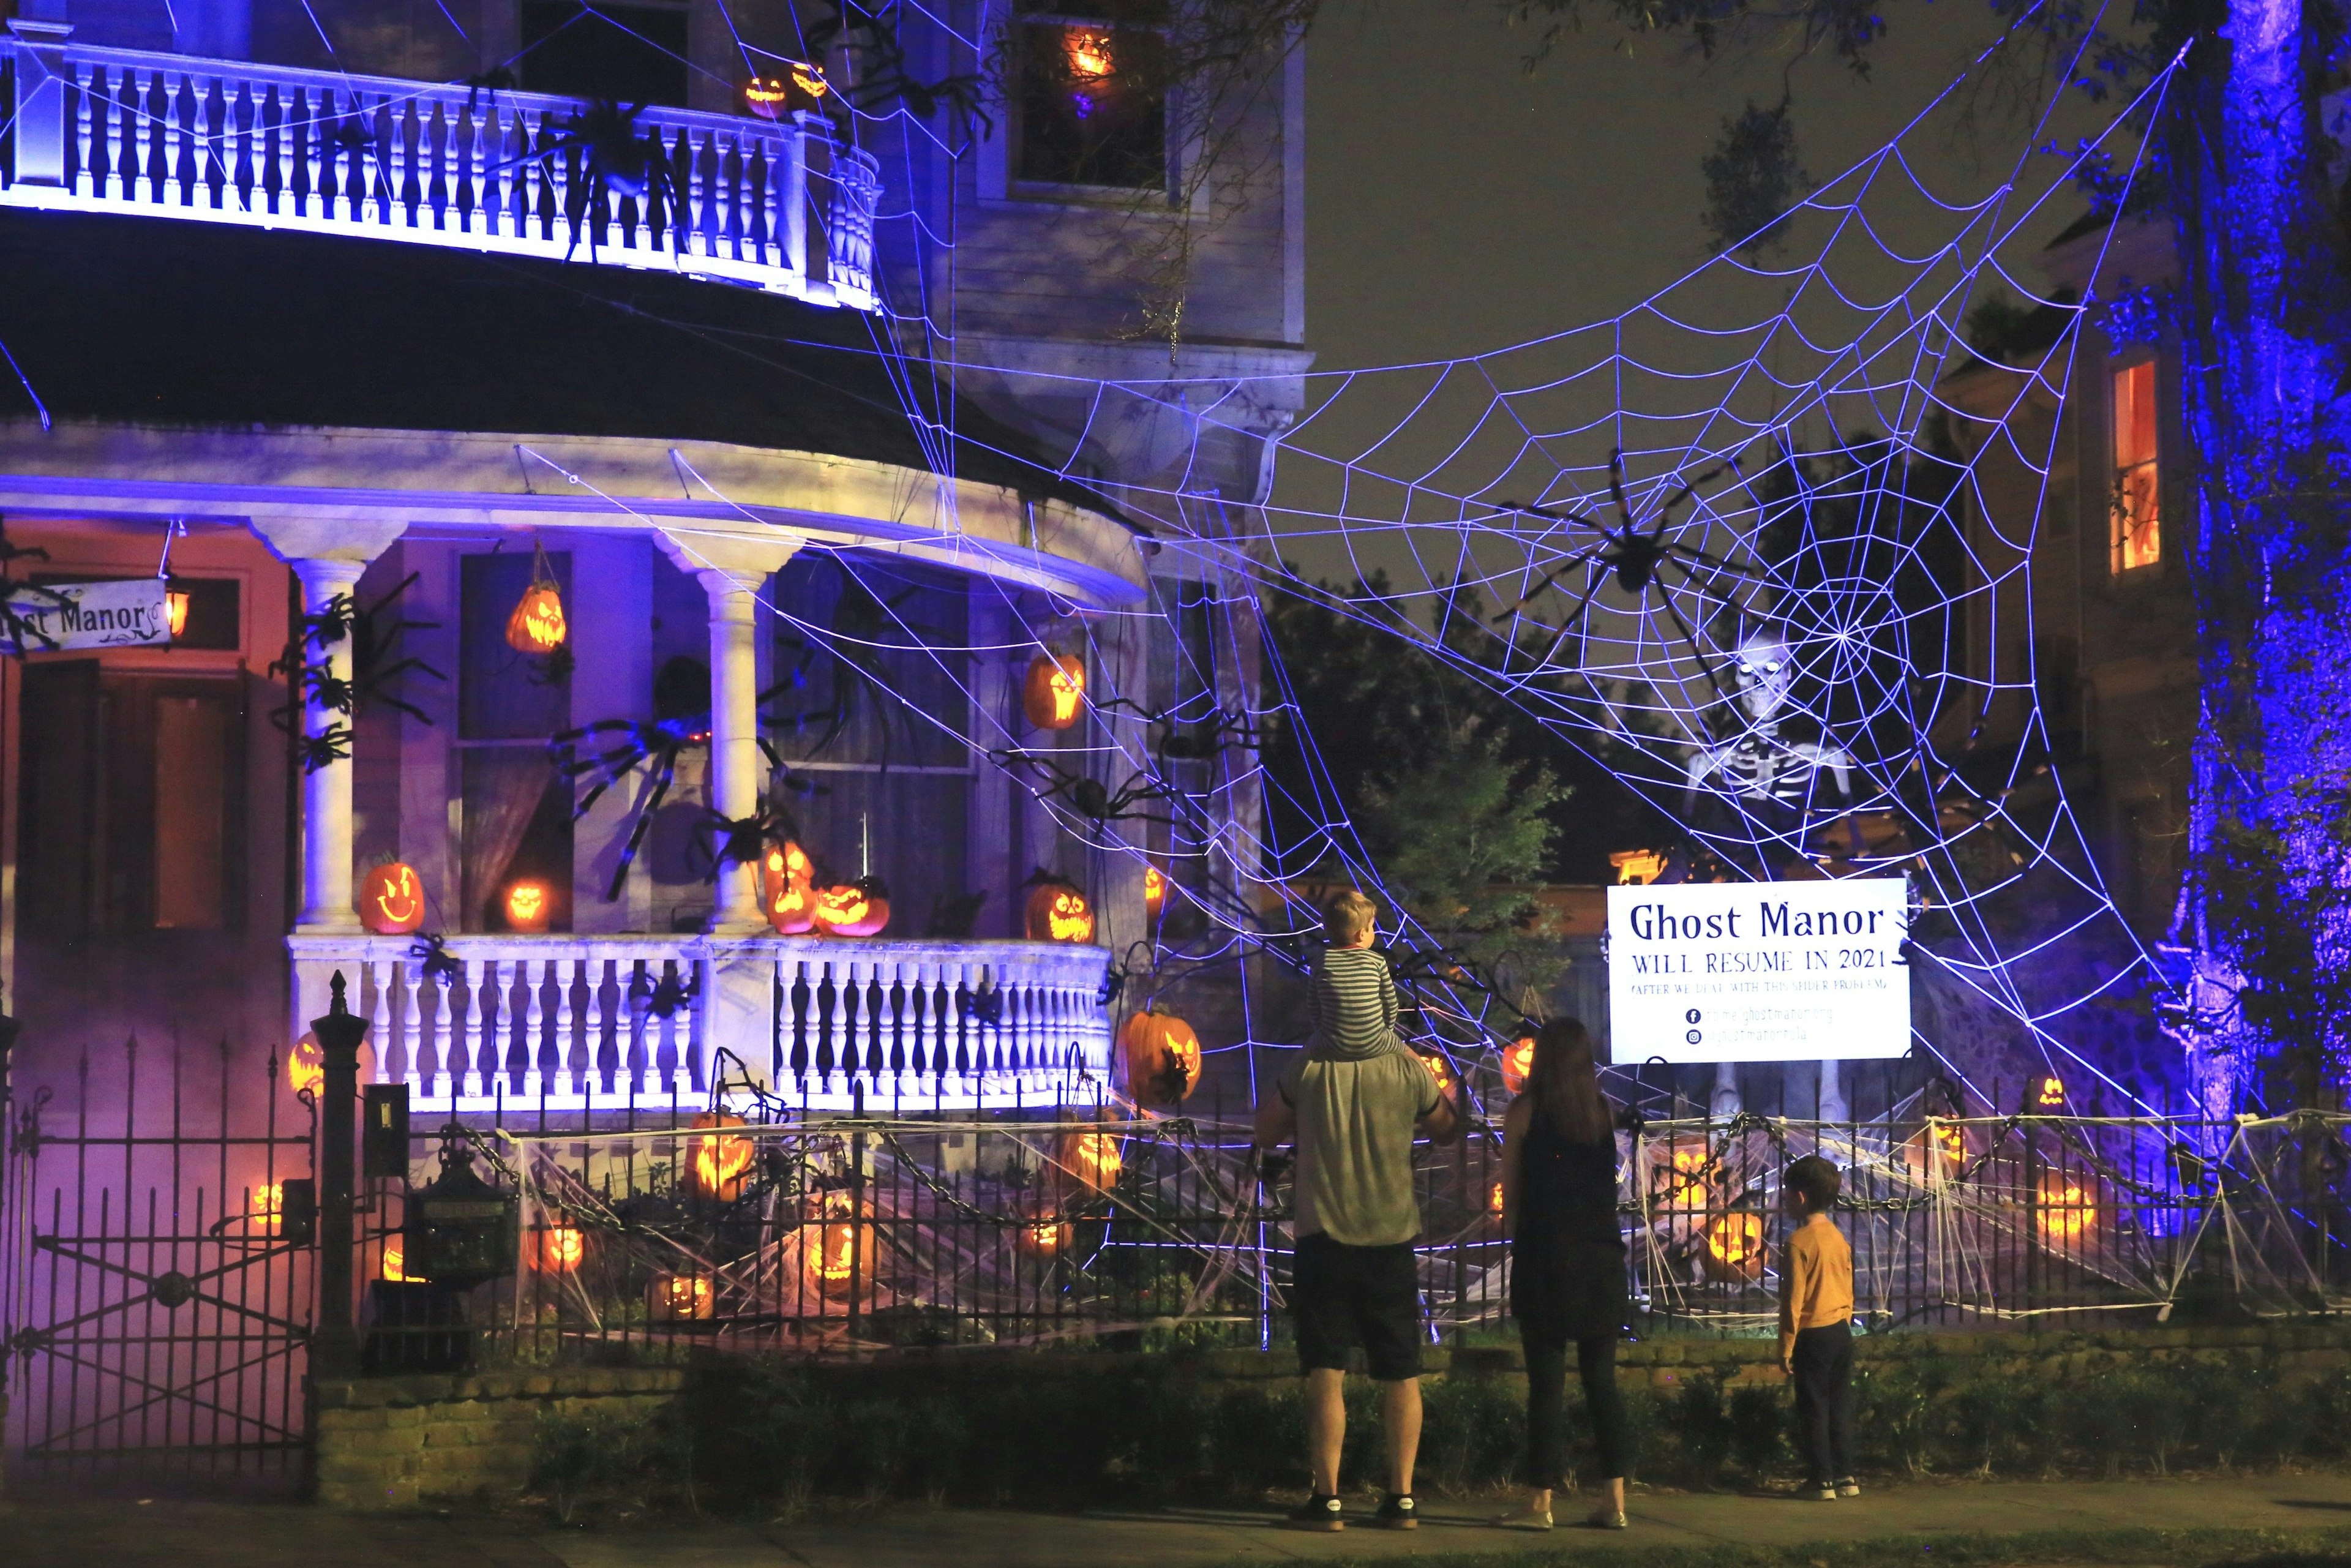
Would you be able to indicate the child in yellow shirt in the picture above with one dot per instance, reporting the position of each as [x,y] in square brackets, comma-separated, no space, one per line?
[1816,1327]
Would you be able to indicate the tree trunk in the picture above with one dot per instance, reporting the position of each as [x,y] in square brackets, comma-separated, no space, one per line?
[2267,321]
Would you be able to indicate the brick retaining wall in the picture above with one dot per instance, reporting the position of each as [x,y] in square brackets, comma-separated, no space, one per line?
[397,1441]
[392,1442]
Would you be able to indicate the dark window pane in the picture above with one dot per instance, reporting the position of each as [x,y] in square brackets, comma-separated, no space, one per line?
[1093,105]
[638,56]
[868,667]
[213,613]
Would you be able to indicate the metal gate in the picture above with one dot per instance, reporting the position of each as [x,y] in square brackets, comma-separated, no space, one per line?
[157,1240]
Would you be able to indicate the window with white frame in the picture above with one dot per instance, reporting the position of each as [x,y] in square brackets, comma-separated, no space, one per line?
[1091,101]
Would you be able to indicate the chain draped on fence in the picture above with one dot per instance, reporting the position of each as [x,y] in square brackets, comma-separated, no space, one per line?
[822,1235]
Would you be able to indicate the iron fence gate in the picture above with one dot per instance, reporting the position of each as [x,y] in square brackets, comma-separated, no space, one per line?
[157,1236]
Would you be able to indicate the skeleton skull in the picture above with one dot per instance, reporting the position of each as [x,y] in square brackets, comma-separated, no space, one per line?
[1766,667]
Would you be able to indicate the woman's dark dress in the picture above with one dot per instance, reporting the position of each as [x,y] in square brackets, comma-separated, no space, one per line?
[1567,1282]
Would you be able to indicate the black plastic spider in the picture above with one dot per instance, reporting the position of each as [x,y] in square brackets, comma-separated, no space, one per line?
[667,996]
[374,642]
[1195,739]
[494,82]
[742,841]
[606,160]
[16,628]
[431,952]
[1632,557]
[1090,796]
[657,747]
[330,746]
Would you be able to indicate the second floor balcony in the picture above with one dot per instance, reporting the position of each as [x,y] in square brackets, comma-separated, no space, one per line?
[778,206]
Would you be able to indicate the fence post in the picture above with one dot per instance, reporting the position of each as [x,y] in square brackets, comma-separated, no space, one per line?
[335,1347]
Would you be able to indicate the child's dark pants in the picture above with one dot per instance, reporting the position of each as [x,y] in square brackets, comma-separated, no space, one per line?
[1824,1368]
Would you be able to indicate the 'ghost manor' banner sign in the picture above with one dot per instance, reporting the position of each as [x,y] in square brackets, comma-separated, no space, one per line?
[1758,971]
[48,617]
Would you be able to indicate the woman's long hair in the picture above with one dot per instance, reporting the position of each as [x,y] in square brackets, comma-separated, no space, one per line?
[1565,1083]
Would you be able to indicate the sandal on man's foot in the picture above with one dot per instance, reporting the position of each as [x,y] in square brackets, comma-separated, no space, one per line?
[1320,1511]
[1606,1518]
[1397,1512]
[1525,1519]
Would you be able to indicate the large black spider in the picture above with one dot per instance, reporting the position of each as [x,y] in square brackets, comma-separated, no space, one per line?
[657,747]
[1634,558]
[1184,740]
[882,63]
[374,641]
[742,841]
[1088,796]
[608,160]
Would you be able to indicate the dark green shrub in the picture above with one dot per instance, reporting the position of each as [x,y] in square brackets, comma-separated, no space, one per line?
[1473,1433]
[1759,1417]
[1701,1423]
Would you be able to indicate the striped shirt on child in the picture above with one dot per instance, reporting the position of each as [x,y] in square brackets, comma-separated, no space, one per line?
[1352,1001]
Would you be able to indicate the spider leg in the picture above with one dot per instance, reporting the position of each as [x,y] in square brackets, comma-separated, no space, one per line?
[1616,486]
[1713,562]
[1551,579]
[1550,657]
[1692,637]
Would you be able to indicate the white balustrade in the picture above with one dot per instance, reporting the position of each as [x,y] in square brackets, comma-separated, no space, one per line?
[777,204]
[599,1023]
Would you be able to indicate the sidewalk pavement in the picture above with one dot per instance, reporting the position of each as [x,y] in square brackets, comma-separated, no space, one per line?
[126,1533]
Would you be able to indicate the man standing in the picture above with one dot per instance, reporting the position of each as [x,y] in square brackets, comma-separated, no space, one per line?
[1352,1103]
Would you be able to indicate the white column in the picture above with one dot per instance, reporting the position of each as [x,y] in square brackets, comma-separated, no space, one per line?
[1725,1103]
[733,569]
[1831,1098]
[327,791]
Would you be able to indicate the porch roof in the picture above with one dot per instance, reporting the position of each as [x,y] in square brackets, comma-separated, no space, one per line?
[134,321]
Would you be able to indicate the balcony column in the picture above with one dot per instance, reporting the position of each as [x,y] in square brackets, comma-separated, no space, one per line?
[733,571]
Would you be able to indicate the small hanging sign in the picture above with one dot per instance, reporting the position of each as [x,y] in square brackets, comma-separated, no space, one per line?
[68,615]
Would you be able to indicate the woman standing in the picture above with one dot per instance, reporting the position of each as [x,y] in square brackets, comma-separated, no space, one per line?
[1567,1265]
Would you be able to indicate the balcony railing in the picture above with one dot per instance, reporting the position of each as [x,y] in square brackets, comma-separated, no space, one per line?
[779,206]
[594,1023]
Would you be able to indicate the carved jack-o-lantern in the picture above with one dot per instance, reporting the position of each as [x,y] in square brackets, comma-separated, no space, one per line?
[719,1164]
[1055,692]
[391,900]
[1163,1058]
[1734,1247]
[536,625]
[1440,1069]
[1154,891]
[530,906]
[1057,912]
[558,1249]
[860,908]
[1091,1159]
[1517,1061]
[838,1253]
[306,1066]
[680,1298]
[787,890]
[766,97]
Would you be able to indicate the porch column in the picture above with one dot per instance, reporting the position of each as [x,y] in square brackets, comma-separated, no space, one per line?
[327,557]
[732,570]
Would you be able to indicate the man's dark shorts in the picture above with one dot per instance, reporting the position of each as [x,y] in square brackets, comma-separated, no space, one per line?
[1367,1296]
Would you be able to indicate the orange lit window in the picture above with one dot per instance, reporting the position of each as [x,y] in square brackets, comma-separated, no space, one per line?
[2138,526]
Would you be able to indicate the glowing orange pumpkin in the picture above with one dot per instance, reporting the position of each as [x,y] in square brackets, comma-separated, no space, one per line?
[528,905]
[787,890]
[536,625]
[1163,1058]
[2051,1094]
[1442,1071]
[1154,891]
[1734,1247]
[558,1249]
[680,1298]
[395,1267]
[266,1205]
[860,908]
[838,1254]
[2068,1207]
[1055,692]
[391,900]
[766,97]
[1091,1159]
[1057,912]
[1937,1148]
[721,1164]
[306,1066]
[1044,1236]
[1494,1200]
[1517,1061]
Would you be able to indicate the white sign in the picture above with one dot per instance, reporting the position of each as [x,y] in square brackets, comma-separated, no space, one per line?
[1758,971]
[88,615]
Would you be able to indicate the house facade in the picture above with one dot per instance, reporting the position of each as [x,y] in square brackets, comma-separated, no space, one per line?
[357,328]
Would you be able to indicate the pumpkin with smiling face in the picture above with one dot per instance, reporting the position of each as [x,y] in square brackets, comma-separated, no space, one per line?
[860,908]
[1162,1056]
[1057,912]
[391,900]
